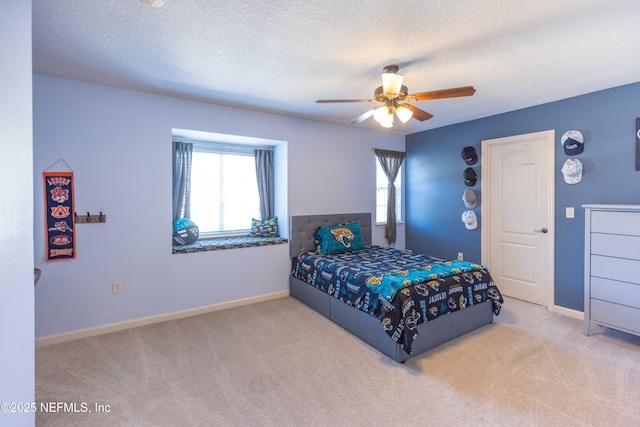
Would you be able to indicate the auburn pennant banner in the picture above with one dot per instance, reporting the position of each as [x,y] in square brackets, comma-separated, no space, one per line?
[59,214]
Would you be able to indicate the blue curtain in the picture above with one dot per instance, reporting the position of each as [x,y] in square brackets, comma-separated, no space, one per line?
[264,174]
[182,155]
[390,162]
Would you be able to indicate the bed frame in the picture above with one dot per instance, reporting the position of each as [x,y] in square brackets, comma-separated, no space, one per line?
[431,334]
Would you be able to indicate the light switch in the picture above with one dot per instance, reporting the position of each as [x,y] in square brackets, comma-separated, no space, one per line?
[570,213]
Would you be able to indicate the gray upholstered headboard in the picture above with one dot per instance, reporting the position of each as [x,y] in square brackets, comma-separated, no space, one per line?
[302,229]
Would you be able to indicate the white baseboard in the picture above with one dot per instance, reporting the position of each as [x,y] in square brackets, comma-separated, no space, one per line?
[120,326]
[568,312]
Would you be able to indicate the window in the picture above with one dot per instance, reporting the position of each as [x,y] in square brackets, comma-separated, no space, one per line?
[221,182]
[382,188]
[224,189]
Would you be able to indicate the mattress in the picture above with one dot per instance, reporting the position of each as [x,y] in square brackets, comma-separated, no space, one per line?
[401,288]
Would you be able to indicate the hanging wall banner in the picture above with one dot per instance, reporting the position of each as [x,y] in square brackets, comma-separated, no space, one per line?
[59,213]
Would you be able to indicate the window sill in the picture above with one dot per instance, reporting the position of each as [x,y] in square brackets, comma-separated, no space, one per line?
[228,243]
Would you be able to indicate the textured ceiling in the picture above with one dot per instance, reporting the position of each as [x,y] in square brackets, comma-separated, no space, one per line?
[281,56]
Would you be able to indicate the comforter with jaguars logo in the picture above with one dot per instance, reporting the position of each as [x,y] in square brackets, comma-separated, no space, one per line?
[400,287]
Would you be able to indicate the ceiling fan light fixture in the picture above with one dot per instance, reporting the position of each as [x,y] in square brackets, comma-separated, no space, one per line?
[392,93]
[387,123]
[387,120]
[153,3]
[392,84]
[381,114]
[403,113]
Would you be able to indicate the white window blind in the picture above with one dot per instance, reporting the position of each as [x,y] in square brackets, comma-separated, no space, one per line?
[224,189]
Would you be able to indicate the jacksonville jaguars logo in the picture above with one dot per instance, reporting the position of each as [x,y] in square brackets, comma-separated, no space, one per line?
[435,285]
[462,302]
[412,320]
[468,277]
[422,290]
[374,280]
[343,235]
[386,324]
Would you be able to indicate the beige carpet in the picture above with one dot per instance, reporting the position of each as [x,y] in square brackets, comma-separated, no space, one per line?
[278,363]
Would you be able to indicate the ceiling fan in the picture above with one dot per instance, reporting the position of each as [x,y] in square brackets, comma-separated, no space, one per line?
[392,93]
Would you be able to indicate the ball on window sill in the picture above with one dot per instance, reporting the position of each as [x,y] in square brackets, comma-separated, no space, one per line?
[185,231]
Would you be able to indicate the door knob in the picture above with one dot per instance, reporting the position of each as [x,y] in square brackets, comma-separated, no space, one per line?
[543,230]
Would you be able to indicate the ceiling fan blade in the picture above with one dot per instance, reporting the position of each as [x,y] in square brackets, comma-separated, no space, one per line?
[418,113]
[362,118]
[440,94]
[327,101]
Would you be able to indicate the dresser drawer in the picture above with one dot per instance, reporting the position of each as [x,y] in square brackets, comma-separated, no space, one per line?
[623,270]
[615,245]
[615,222]
[618,292]
[618,316]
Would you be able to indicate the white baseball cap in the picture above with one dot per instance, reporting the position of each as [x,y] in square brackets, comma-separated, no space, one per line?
[572,171]
[469,219]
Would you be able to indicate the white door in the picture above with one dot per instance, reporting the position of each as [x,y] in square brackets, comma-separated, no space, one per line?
[517,214]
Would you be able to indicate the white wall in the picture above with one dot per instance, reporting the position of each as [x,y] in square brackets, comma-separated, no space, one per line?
[17,382]
[118,143]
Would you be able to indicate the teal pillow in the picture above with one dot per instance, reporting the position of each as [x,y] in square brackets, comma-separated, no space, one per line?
[266,228]
[339,239]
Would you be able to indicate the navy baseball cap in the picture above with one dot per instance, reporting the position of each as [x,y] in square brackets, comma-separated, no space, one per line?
[572,142]
[469,155]
[470,177]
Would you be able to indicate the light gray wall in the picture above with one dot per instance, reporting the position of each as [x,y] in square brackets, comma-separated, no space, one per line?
[607,119]
[17,382]
[118,143]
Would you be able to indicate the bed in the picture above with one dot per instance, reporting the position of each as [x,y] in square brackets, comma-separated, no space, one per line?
[401,313]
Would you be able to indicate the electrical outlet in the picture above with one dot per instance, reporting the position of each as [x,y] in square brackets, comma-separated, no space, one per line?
[116,287]
[570,213]
[460,256]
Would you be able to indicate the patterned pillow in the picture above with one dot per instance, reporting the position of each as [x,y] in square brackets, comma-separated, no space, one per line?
[266,228]
[339,239]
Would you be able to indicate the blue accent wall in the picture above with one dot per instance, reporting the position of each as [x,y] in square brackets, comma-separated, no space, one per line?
[434,183]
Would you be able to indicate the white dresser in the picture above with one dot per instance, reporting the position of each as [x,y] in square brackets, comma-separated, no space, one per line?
[612,267]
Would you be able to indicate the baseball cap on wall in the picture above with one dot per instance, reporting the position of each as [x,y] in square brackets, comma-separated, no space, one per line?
[470,177]
[572,142]
[469,155]
[470,199]
[469,219]
[572,171]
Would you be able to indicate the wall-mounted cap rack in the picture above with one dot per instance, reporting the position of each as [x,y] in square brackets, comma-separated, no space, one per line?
[90,219]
